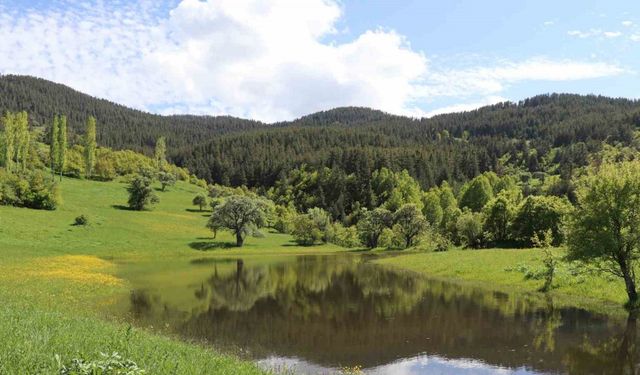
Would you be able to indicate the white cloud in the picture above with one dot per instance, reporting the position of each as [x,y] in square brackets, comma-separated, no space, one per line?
[265,60]
[635,37]
[627,23]
[464,107]
[611,34]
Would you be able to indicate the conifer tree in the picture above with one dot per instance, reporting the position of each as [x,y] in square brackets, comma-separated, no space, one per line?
[90,147]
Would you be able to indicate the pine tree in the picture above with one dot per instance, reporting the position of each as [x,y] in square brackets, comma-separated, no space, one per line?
[90,147]
[54,145]
[161,153]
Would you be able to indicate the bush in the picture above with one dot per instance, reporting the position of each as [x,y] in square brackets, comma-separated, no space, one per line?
[345,237]
[81,220]
[32,190]
[389,239]
[469,228]
[112,364]
[141,194]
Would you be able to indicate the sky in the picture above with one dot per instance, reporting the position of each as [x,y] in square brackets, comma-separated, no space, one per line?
[281,59]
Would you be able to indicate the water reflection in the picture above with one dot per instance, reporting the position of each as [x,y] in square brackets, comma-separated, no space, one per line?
[321,313]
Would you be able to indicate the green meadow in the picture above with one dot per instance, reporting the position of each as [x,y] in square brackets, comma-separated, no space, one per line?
[55,278]
[58,279]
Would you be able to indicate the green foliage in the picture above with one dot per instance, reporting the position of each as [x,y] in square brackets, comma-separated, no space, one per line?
[109,364]
[499,214]
[537,214]
[141,194]
[371,225]
[469,228]
[390,239]
[432,209]
[604,229]
[240,214]
[200,200]
[284,216]
[476,194]
[312,227]
[90,147]
[81,220]
[15,142]
[343,236]
[32,190]
[544,241]
[409,224]
[392,190]
[166,179]
[160,153]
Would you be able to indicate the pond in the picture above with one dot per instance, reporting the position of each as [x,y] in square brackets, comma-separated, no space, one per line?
[319,314]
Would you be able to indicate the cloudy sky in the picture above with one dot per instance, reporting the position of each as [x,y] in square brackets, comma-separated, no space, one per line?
[280,59]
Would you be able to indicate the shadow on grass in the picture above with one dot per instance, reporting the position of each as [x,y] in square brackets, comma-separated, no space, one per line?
[122,207]
[210,245]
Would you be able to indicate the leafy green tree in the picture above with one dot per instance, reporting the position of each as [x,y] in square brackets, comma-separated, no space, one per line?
[469,228]
[161,153]
[409,223]
[312,227]
[166,179]
[392,190]
[54,144]
[537,214]
[61,156]
[447,198]
[432,209]
[8,144]
[200,200]
[499,213]
[604,230]
[240,214]
[90,147]
[476,194]
[305,231]
[371,225]
[141,195]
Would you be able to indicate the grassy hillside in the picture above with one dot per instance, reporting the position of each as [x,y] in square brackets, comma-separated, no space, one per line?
[52,275]
[514,270]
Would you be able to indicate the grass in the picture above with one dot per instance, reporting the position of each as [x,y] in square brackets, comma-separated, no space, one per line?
[56,278]
[514,271]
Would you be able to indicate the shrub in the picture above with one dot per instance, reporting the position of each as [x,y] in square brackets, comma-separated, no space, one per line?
[141,194]
[81,220]
[469,228]
[32,190]
[306,231]
[343,236]
[110,364]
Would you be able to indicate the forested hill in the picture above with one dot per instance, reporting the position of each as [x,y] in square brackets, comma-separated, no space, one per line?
[119,127]
[550,133]
[547,133]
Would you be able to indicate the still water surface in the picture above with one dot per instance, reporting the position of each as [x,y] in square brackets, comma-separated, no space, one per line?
[318,314]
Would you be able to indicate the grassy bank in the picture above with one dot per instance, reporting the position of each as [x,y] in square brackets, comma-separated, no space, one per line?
[56,278]
[515,271]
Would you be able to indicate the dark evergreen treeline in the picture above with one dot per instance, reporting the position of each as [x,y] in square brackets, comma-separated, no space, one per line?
[120,128]
[537,133]
[552,133]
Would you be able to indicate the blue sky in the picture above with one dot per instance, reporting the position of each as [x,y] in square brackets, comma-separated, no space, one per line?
[280,59]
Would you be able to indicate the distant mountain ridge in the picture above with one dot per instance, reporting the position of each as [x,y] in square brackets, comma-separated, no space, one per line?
[453,146]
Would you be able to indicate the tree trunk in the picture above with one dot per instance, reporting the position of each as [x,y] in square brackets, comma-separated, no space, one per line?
[629,283]
[239,239]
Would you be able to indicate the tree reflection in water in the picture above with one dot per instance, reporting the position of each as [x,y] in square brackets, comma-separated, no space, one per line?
[342,311]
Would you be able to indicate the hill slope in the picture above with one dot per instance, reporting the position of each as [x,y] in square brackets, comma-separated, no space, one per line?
[548,132]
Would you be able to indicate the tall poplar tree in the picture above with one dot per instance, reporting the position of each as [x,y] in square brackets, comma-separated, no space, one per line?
[90,147]
[54,145]
[8,120]
[161,153]
[62,144]
[22,139]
